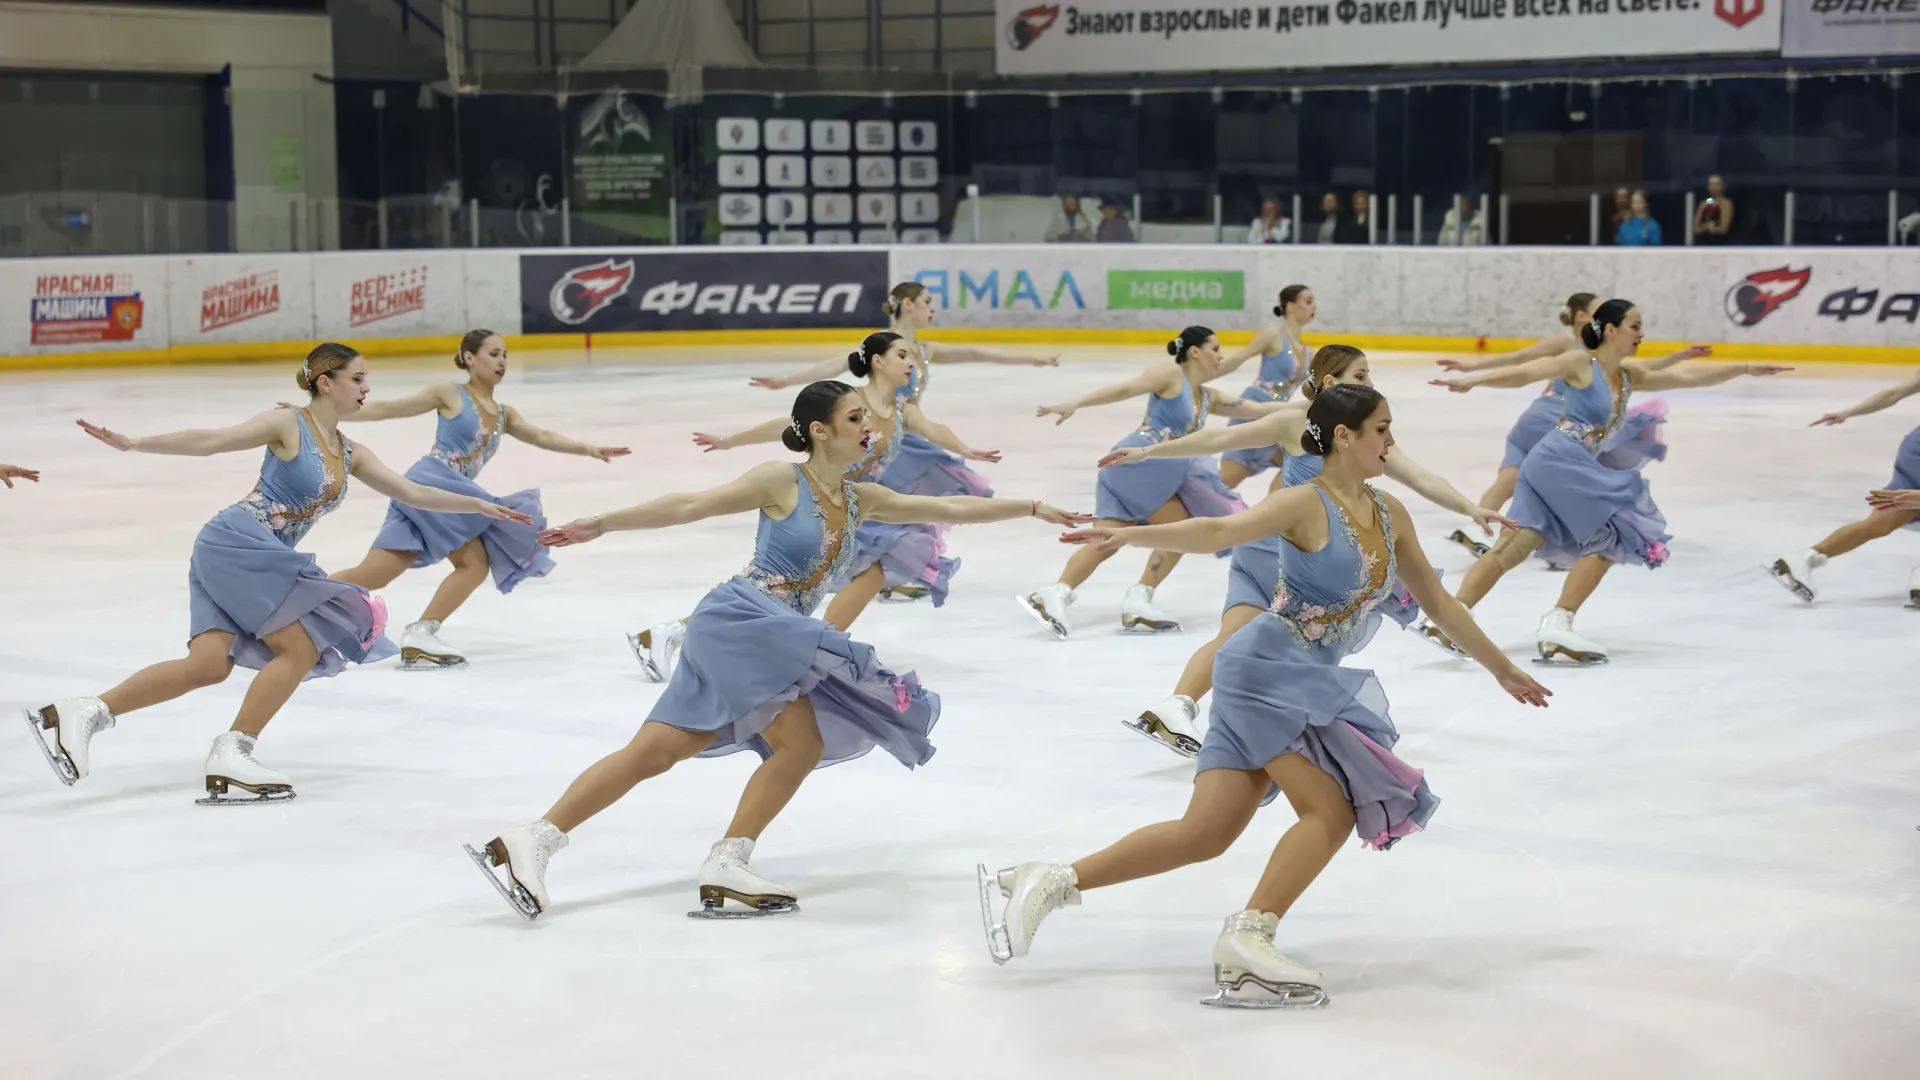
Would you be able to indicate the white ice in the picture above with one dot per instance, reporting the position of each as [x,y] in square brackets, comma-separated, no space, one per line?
[1700,862]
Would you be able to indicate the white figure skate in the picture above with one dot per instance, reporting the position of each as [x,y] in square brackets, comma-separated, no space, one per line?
[1432,635]
[1139,616]
[231,764]
[1795,572]
[1173,724]
[421,648]
[525,852]
[74,722]
[1251,973]
[658,648]
[1913,589]
[1558,640]
[1031,891]
[1049,605]
[726,876]
[1476,547]
[903,594]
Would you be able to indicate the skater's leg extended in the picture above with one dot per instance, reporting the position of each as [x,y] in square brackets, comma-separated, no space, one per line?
[795,738]
[293,656]
[654,749]
[849,602]
[1582,580]
[1161,563]
[206,664]
[469,573]
[1878,524]
[1223,802]
[1084,560]
[1326,820]
[1197,679]
[1502,488]
[378,569]
[1508,552]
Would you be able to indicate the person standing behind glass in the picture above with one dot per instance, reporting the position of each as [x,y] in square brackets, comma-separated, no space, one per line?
[1271,227]
[1329,219]
[1622,211]
[1113,225]
[1354,229]
[1464,225]
[1070,224]
[1639,230]
[1713,219]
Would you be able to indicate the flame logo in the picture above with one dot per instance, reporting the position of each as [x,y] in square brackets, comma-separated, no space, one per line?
[1756,296]
[585,290]
[1027,26]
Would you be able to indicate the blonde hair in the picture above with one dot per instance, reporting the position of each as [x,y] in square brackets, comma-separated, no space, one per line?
[1329,361]
[325,359]
[903,292]
[1580,301]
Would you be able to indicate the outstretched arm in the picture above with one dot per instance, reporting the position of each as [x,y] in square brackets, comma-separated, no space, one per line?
[938,353]
[1276,514]
[274,428]
[1245,410]
[371,471]
[1711,375]
[759,433]
[1279,425]
[942,436]
[1691,352]
[1539,350]
[1437,491]
[1541,369]
[830,368]
[1154,380]
[426,399]
[878,503]
[1262,343]
[1892,395]
[761,486]
[518,427]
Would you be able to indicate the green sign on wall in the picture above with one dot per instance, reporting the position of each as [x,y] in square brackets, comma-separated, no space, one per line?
[1177,290]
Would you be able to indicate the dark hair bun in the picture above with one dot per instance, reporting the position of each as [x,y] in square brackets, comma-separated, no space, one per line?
[1592,334]
[1311,445]
[793,440]
[1341,405]
[858,364]
[1173,348]
[1280,310]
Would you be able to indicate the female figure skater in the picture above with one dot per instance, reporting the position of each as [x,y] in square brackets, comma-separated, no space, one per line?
[1284,360]
[1890,509]
[1255,569]
[466,438]
[1150,492]
[758,672]
[1286,715]
[885,556]
[257,601]
[10,473]
[1580,498]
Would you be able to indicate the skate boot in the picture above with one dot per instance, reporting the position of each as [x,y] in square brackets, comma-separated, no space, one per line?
[421,648]
[1795,572]
[1557,639]
[1251,973]
[1431,634]
[231,764]
[1139,616]
[74,722]
[1913,589]
[1172,724]
[1476,547]
[903,594]
[1049,605]
[726,876]
[658,648]
[1032,890]
[525,852]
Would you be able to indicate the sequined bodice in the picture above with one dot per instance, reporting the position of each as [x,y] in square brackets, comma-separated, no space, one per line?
[1326,598]
[466,442]
[1590,413]
[795,557]
[1170,418]
[291,495]
[1279,371]
[887,433]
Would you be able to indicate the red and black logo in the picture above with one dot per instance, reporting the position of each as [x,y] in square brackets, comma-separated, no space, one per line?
[1738,13]
[584,290]
[1756,296]
[1027,26]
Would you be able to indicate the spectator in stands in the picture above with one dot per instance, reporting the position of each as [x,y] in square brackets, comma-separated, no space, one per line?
[1070,224]
[1271,227]
[1464,225]
[1713,219]
[1329,219]
[1353,229]
[1622,211]
[1113,224]
[1639,230]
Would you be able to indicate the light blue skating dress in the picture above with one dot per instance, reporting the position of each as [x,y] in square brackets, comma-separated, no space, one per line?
[1280,375]
[1134,491]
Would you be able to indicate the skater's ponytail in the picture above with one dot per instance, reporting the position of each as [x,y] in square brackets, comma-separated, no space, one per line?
[1577,303]
[860,361]
[1342,405]
[325,359]
[470,346]
[813,406]
[1287,296]
[1329,362]
[897,299]
[1193,337]
[1611,313]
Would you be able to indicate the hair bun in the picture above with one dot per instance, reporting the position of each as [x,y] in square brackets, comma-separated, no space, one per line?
[1173,347]
[1280,311]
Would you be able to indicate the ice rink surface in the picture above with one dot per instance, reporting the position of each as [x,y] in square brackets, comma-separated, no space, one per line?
[1700,862]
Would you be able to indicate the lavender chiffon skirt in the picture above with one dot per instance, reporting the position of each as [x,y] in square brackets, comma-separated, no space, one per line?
[1539,417]
[1906,464]
[243,581]
[906,554]
[1136,491]
[513,550]
[748,655]
[1257,459]
[1254,576]
[1581,506]
[921,468]
[1274,696]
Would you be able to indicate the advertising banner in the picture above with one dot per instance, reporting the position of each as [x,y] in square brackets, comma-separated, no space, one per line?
[83,305]
[1066,285]
[627,291]
[1155,35]
[622,154]
[1851,27]
[214,298]
[388,294]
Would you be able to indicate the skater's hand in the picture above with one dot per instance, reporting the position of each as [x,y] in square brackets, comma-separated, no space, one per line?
[768,382]
[1894,500]
[10,473]
[1832,418]
[1458,386]
[607,453]
[1053,515]
[500,513]
[1487,519]
[1046,361]
[1061,411]
[1455,365]
[573,532]
[991,457]
[709,443]
[1766,369]
[111,438]
[1126,455]
[1522,687]
[1098,538]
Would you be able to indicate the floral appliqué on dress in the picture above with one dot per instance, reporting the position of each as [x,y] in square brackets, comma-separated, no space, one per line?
[1317,625]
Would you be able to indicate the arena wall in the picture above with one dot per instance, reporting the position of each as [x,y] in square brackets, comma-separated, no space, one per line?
[1798,304]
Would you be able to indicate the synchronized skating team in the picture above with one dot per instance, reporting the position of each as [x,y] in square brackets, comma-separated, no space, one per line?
[862,514]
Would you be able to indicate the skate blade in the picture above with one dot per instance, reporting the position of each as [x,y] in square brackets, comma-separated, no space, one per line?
[1230,994]
[1476,547]
[1432,637]
[901,596]
[514,893]
[416,660]
[642,646]
[269,793]
[57,759]
[1555,656]
[999,946]
[713,905]
[1913,601]
[1048,621]
[1179,744]
[1136,625]
[1784,575]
